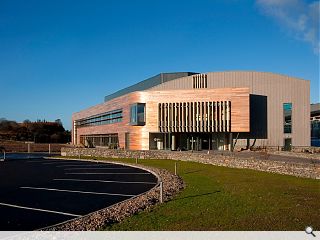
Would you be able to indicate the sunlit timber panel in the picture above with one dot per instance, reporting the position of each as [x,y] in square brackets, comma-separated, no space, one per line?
[188,107]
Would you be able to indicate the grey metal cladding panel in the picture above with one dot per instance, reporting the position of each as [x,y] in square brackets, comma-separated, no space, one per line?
[148,83]
[171,76]
[278,88]
[180,83]
[140,86]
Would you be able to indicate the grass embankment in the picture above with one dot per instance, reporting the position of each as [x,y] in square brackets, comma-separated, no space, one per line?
[221,198]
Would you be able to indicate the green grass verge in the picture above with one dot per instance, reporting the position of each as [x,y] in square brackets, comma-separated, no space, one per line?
[221,198]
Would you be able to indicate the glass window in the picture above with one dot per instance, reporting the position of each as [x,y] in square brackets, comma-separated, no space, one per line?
[287,116]
[133,114]
[104,118]
[140,113]
[137,114]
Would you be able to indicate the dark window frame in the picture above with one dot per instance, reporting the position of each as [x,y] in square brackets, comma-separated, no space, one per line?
[138,114]
[110,117]
[287,108]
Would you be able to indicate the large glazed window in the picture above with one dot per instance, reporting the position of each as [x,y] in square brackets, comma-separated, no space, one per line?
[287,115]
[137,114]
[101,119]
[103,140]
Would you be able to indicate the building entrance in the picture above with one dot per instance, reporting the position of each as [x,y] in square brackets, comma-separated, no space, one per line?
[198,142]
[287,144]
[189,141]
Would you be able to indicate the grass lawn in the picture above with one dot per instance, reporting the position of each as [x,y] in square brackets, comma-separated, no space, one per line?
[221,198]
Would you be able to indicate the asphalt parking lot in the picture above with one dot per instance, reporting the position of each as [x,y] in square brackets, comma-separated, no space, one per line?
[37,192]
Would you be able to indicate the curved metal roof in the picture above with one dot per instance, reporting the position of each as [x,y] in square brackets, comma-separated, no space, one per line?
[149,83]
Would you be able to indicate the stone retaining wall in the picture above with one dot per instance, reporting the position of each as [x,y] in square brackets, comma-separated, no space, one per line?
[307,170]
[294,149]
[306,149]
[34,147]
[298,154]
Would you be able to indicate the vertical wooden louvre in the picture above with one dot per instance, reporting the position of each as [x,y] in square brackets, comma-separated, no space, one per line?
[200,81]
[195,116]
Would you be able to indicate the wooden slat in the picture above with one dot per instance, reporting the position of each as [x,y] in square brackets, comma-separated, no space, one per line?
[201,116]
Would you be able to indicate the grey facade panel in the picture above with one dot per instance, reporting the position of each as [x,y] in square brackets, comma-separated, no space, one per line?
[277,89]
[148,83]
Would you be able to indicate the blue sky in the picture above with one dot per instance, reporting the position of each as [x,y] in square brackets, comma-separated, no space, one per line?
[59,57]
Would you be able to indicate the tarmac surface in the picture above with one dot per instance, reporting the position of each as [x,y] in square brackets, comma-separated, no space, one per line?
[37,192]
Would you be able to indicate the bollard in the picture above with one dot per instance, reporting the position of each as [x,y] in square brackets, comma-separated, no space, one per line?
[136,160]
[79,155]
[28,147]
[161,192]
[4,155]
[49,148]
[175,168]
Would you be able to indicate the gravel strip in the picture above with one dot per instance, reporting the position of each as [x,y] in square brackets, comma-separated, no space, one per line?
[172,184]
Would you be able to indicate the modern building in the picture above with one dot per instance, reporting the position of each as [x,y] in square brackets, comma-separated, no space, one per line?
[200,111]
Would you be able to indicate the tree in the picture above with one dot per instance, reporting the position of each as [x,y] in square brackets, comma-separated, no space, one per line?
[58,121]
[40,131]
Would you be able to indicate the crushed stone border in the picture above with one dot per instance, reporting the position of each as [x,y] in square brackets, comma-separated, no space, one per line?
[172,184]
[308,169]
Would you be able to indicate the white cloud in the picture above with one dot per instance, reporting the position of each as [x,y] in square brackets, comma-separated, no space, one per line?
[299,17]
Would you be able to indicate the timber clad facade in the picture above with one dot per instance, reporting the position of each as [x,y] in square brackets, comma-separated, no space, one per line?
[195,116]
[189,111]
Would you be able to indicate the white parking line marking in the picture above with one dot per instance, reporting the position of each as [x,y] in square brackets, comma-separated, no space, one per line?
[102,181]
[109,173]
[48,161]
[40,160]
[40,210]
[68,169]
[63,162]
[84,165]
[74,191]
[43,160]
[51,163]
